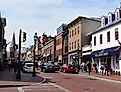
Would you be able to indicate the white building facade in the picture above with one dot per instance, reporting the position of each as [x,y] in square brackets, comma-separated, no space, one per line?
[105,46]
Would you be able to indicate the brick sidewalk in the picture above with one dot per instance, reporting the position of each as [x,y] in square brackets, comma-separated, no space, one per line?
[7,78]
[110,77]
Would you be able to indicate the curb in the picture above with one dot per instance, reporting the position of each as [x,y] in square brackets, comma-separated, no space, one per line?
[5,86]
[104,79]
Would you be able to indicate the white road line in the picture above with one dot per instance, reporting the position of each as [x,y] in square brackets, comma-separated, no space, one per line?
[60,87]
[20,89]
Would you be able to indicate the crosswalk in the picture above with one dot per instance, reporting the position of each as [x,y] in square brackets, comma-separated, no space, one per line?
[43,87]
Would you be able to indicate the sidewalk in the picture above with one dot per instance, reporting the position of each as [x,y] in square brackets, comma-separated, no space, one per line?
[112,78]
[7,79]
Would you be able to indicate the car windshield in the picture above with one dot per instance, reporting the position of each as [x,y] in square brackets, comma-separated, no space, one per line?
[29,65]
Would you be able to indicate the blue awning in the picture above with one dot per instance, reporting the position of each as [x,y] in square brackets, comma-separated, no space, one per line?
[105,52]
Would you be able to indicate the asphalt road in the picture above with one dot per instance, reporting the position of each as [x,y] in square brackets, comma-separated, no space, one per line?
[78,83]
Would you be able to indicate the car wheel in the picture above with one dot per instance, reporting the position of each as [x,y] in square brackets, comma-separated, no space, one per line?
[44,70]
[64,70]
[41,70]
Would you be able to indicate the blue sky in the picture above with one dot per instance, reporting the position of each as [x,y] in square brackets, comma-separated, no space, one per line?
[47,15]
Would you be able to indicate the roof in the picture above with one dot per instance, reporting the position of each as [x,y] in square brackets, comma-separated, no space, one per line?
[79,19]
[107,26]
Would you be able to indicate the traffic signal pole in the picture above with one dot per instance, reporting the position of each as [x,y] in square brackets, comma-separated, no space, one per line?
[18,75]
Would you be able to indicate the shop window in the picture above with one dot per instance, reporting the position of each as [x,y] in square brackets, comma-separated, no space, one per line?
[117,61]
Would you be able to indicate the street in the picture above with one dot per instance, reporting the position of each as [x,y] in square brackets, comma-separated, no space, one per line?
[57,82]
[78,83]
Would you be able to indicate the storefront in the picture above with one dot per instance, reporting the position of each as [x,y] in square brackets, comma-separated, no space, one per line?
[107,56]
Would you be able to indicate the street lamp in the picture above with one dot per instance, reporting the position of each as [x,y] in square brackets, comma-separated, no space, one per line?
[35,39]
[78,66]
[18,75]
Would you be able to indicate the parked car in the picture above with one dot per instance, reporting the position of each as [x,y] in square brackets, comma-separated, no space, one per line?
[47,67]
[68,68]
[27,67]
[56,66]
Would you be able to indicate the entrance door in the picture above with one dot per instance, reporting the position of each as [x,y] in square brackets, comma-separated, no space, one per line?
[109,62]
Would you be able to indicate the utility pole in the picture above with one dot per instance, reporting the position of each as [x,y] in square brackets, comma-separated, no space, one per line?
[18,75]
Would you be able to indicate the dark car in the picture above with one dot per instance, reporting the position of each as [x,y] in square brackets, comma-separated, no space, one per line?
[46,67]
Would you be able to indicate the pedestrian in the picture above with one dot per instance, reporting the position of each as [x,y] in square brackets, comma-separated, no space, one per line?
[15,67]
[106,69]
[95,67]
[102,68]
[82,66]
[9,65]
[89,67]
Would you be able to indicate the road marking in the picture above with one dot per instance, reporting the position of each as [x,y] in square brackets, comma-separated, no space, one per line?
[60,87]
[20,89]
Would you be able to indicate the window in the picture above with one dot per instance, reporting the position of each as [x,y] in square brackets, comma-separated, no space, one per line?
[117,15]
[101,38]
[75,31]
[116,34]
[78,43]
[75,44]
[103,22]
[108,36]
[109,19]
[78,30]
[72,45]
[70,34]
[95,41]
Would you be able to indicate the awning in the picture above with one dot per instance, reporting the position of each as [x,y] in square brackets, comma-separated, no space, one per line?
[105,52]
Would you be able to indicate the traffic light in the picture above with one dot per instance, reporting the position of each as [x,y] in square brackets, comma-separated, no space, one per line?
[24,36]
[15,46]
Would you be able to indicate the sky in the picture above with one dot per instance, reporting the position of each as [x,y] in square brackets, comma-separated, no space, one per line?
[45,16]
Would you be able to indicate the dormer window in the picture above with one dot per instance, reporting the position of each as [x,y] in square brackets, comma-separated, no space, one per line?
[109,19]
[117,14]
[103,21]
[110,15]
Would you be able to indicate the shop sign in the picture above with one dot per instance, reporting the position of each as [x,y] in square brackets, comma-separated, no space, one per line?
[101,54]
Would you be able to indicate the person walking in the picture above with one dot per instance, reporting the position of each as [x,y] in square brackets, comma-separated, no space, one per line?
[89,67]
[15,67]
[95,67]
[102,68]
[82,66]
[106,69]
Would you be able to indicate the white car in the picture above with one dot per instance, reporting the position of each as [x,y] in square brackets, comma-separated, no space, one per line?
[27,67]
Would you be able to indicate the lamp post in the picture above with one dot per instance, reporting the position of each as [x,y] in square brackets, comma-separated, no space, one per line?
[78,66]
[18,75]
[35,39]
